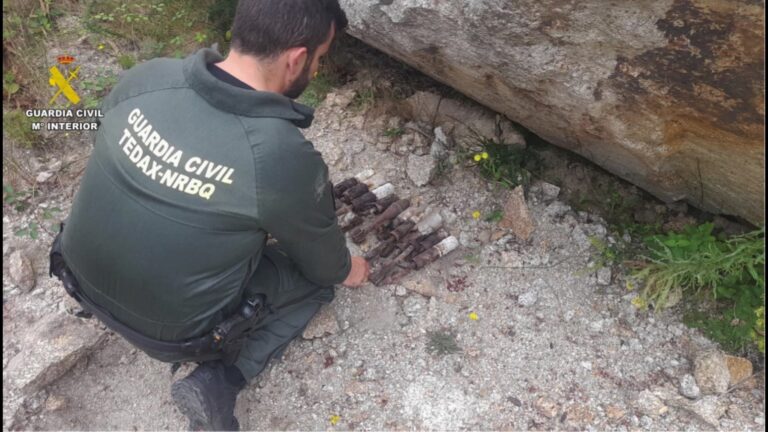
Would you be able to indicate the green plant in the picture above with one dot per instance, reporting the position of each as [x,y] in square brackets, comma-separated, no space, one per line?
[695,262]
[30,230]
[394,132]
[318,89]
[364,99]
[96,89]
[10,86]
[19,200]
[503,163]
[495,216]
[201,37]
[126,61]
[18,127]
[441,342]
[606,256]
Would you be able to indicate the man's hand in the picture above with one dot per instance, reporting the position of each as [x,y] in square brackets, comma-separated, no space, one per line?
[358,275]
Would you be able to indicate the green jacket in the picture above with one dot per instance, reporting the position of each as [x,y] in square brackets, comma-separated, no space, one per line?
[187,177]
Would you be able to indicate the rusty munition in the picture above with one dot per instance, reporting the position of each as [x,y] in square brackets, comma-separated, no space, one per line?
[367,200]
[441,249]
[343,185]
[386,268]
[353,192]
[349,221]
[358,235]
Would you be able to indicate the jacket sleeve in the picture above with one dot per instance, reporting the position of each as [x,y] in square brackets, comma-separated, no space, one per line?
[295,205]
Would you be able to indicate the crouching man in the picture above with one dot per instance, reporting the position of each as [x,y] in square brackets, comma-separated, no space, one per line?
[195,163]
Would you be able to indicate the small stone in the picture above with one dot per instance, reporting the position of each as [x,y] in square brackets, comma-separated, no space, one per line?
[579,416]
[649,404]
[546,407]
[711,372]
[604,276]
[424,287]
[710,409]
[55,403]
[440,145]
[484,236]
[528,298]
[760,420]
[322,324]
[516,215]
[549,192]
[22,273]
[43,176]
[421,169]
[497,235]
[412,306]
[586,365]
[688,387]
[556,210]
[614,412]
[400,291]
[740,371]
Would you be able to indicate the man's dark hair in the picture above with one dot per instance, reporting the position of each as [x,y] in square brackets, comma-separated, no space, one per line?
[265,28]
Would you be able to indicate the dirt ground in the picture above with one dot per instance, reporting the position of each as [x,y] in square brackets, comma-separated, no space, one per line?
[542,343]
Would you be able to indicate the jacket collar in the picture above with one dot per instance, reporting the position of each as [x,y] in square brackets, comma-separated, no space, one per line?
[248,103]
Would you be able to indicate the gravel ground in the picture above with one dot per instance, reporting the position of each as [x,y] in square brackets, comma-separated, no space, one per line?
[550,348]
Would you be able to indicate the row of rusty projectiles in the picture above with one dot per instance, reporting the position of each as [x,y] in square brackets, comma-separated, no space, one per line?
[410,237]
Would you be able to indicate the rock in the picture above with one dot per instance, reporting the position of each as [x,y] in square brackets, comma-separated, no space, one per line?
[420,169]
[688,387]
[54,403]
[614,412]
[729,228]
[440,145]
[678,223]
[549,192]
[528,298]
[604,276]
[740,372]
[645,215]
[22,273]
[649,404]
[400,291]
[516,215]
[556,210]
[424,287]
[43,176]
[52,346]
[711,372]
[678,206]
[340,99]
[546,407]
[466,122]
[579,416]
[484,236]
[710,409]
[322,324]
[412,306]
[591,80]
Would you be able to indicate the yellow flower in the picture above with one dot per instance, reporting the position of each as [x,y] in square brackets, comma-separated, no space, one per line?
[335,419]
[100,47]
[639,303]
[484,155]
[473,316]
[475,215]
[478,157]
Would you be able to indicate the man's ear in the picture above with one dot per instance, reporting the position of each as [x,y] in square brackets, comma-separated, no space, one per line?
[297,58]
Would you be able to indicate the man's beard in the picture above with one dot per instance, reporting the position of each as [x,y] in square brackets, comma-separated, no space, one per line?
[300,84]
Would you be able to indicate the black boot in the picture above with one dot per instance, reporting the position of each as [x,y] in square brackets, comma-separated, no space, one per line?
[207,396]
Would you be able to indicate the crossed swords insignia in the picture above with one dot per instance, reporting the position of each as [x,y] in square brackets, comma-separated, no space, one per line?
[57,80]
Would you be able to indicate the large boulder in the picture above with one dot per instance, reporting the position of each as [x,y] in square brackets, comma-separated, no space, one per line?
[667,94]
